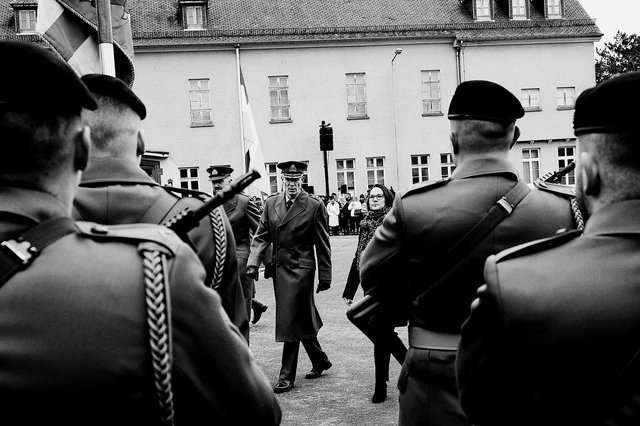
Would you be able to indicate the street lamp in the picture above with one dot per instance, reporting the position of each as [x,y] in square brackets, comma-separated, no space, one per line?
[395,118]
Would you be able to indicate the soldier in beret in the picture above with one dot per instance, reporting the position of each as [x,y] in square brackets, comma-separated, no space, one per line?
[553,336]
[295,223]
[115,190]
[84,320]
[244,217]
[428,220]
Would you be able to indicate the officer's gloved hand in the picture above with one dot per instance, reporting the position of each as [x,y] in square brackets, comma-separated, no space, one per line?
[323,285]
[268,271]
[252,272]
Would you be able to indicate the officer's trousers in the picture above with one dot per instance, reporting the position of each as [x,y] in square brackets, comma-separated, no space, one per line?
[428,393]
[290,352]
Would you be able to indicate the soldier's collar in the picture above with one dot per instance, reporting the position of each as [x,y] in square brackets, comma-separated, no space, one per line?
[484,166]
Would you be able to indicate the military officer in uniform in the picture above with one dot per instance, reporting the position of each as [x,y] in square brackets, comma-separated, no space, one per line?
[408,252]
[553,335]
[296,224]
[244,217]
[115,190]
[84,319]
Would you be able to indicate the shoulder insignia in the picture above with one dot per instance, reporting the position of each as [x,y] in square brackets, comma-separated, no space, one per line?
[562,236]
[315,197]
[555,188]
[137,233]
[183,192]
[425,186]
[273,195]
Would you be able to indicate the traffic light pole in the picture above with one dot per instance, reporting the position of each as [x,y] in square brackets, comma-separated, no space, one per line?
[326,175]
[326,144]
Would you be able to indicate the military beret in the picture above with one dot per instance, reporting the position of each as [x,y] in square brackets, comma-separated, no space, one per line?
[217,173]
[106,85]
[292,169]
[601,109]
[484,100]
[34,79]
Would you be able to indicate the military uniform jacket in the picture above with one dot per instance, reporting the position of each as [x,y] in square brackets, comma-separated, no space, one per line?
[117,191]
[294,234]
[551,334]
[407,251]
[74,345]
[244,217]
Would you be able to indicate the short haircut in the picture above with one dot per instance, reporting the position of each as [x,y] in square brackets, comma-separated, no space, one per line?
[114,125]
[479,136]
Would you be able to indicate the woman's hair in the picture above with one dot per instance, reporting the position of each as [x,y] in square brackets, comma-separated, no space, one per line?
[388,196]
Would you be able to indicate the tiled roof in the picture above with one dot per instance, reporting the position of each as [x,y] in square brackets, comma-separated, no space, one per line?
[159,22]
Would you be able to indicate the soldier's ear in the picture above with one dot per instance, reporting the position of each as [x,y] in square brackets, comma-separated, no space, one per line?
[516,136]
[589,174]
[82,147]
[140,147]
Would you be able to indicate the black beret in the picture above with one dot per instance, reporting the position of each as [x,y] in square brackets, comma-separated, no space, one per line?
[115,88]
[611,106]
[217,173]
[34,79]
[484,100]
[292,169]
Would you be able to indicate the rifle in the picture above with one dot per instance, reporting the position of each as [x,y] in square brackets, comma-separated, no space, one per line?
[555,177]
[187,219]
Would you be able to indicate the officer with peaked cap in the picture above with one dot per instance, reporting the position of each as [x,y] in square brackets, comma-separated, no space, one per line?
[115,190]
[244,217]
[295,223]
[409,252]
[553,336]
[87,336]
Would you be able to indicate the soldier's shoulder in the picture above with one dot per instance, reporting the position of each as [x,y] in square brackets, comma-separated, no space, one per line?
[564,191]
[315,198]
[186,193]
[562,237]
[422,187]
[160,237]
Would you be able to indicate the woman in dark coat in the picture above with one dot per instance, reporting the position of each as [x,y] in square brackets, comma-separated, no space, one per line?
[378,205]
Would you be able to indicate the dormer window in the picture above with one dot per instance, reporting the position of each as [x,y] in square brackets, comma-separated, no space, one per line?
[482,10]
[25,16]
[553,9]
[519,9]
[194,14]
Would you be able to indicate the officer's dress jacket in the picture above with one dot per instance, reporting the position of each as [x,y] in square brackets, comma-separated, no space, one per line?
[244,217]
[118,191]
[74,345]
[294,234]
[551,334]
[407,252]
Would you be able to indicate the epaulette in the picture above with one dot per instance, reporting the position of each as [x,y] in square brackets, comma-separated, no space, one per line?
[137,233]
[315,197]
[183,192]
[555,188]
[425,186]
[274,195]
[561,237]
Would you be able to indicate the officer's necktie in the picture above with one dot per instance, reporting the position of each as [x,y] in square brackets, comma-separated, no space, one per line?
[289,204]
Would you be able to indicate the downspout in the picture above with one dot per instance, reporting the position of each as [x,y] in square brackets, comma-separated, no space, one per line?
[457,47]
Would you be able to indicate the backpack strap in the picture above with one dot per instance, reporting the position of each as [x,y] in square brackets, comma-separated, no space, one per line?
[16,255]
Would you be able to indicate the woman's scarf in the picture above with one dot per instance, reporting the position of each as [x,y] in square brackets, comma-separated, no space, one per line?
[368,226]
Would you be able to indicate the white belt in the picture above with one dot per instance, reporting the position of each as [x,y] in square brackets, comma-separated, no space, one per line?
[426,339]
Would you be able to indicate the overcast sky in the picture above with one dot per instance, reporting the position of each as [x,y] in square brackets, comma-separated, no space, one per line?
[614,15]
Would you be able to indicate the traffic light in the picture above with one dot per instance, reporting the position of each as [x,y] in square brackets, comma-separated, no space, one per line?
[326,137]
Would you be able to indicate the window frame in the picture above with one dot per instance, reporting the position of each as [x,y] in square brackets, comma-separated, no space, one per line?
[420,167]
[198,26]
[32,19]
[528,91]
[272,175]
[191,180]
[480,5]
[373,171]
[563,160]
[357,102]
[549,14]
[527,175]
[430,83]
[345,171]
[447,165]
[565,106]
[280,106]
[200,92]
[524,6]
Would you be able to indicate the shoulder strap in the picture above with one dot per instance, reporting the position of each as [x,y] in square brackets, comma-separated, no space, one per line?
[16,255]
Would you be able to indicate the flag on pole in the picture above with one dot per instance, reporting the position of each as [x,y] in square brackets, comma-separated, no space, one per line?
[71,28]
[253,151]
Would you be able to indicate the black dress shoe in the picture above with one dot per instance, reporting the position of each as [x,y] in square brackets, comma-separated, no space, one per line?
[317,371]
[380,394]
[282,386]
[258,310]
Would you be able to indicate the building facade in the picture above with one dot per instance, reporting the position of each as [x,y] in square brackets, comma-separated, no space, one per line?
[381,72]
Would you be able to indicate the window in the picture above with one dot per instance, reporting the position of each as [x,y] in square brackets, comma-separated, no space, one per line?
[26,21]
[419,168]
[566,97]
[356,96]
[346,175]
[447,166]
[189,178]
[430,92]
[518,9]
[566,155]
[531,164]
[272,172]
[554,9]
[193,17]
[375,170]
[483,10]
[200,102]
[279,98]
[530,99]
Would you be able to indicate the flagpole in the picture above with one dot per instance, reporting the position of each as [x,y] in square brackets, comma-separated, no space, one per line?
[105,37]
[245,166]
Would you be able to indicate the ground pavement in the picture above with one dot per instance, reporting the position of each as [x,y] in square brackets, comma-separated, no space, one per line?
[342,396]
